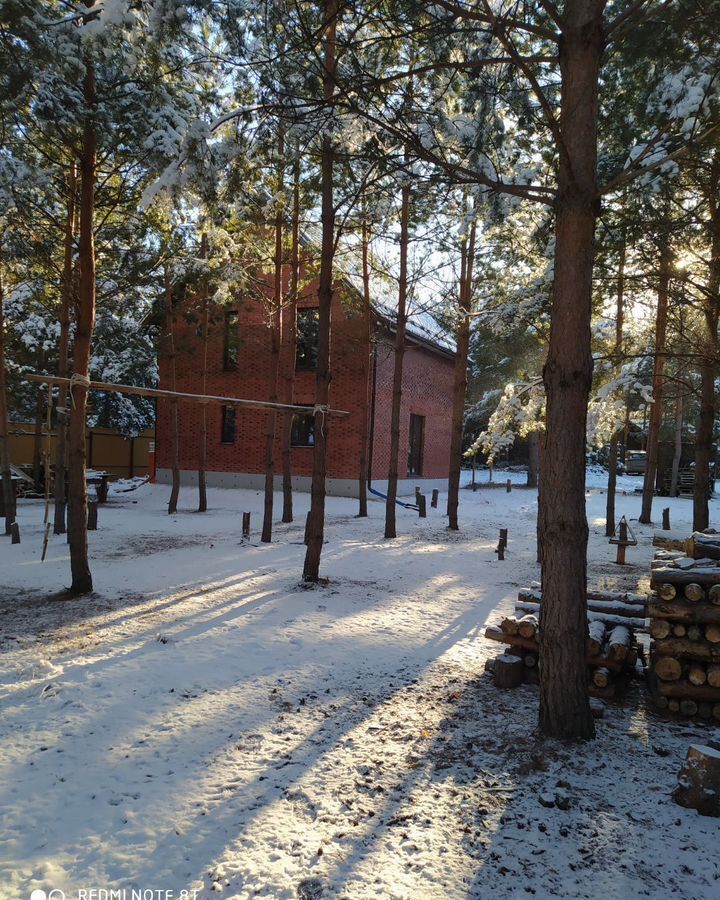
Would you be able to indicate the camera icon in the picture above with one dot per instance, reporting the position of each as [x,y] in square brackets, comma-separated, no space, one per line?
[54,894]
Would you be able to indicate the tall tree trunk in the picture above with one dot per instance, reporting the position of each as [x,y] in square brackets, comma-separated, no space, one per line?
[656,411]
[63,355]
[613,455]
[275,344]
[290,339]
[460,379]
[37,434]
[8,490]
[316,517]
[202,455]
[85,323]
[390,503]
[677,455]
[564,704]
[363,411]
[708,368]
[174,409]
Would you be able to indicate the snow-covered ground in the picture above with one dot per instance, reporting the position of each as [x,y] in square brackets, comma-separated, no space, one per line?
[204,723]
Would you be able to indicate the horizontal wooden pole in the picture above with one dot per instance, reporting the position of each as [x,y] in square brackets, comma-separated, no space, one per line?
[190,398]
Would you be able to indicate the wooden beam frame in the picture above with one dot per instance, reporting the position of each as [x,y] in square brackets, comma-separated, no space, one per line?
[190,398]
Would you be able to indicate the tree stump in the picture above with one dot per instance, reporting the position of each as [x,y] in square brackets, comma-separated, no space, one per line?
[694,593]
[15,533]
[92,515]
[508,671]
[667,591]
[422,506]
[699,780]
[666,519]
[434,499]
[246,526]
[508,485]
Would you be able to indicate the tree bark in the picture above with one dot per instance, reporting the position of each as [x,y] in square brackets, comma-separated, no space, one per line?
[316,517]
[653,438]
[174,411]
[365,350]
[678,447]
[390,503]
[533,459]
[564,702]
[85,323]
[613,454]
[63,356]
[8,490]
[290,339]
[37,434]
[202,449]
[275,344]
[708,368]
[460,377]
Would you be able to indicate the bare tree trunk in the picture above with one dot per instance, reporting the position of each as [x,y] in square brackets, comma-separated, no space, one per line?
[8,490]
[174,411]
[63,354]
[708,368]
[678,447]
[275,344]
[363,411]
[564,704]
[85,323]
[390,503]
[613,455]
[656,411]
[533,459]
[290,340]
[460,379]
[316,518]
[202,454]
[37,435]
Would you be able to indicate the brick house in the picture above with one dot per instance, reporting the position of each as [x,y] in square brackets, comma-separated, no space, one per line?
[239,361]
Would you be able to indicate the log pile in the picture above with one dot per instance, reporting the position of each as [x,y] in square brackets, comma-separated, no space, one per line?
[684,613]
[612,653]
[610,607]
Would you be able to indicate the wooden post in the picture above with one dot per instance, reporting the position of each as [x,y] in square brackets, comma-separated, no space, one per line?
[508,485]
[666,519]
[15,533]
[508,671]
[246,525]
[422,506]
[500,550]
[434,499]
[92,517]
[622,534]
[699,781]
[417,495]
[504,536]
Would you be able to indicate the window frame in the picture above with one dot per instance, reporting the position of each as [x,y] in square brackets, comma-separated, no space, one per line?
[309,349]
[310,430]
[224,410]
[419,456]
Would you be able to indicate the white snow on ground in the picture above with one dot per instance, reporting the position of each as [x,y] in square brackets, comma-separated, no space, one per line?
[202,722]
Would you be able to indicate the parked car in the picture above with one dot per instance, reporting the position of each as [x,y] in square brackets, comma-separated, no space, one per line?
[635,462]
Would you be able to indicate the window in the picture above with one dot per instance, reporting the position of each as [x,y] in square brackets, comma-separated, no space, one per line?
[303,430]
[415,445]
[227,426]
[231,342]
[306,347]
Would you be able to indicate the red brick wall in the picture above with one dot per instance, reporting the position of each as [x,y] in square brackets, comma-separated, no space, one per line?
[427,391]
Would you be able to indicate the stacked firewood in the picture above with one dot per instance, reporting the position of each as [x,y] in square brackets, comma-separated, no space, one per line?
[684,616]
[612,652]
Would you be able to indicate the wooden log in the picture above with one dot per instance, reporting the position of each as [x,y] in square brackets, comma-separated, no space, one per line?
[696,674]
[703,545]
[619,643]
[631,616]
[705,710]
[596,637]
[660,628]
[667,591]
[679,630]
[714,595]
[712,634]
[688,707]
[674,705]
[530,660]
[661,702]
[601,677]
[609,598]
[669,540]
[700,575]
[14,533]
[713,675]
[682,611]
[682,648]
[530,644]
[694,632]
[694,592]
[605,693]
[509,625]
[699,781]
[528,626]
[716,712]
[508,671]
[683,688]
[667,668]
